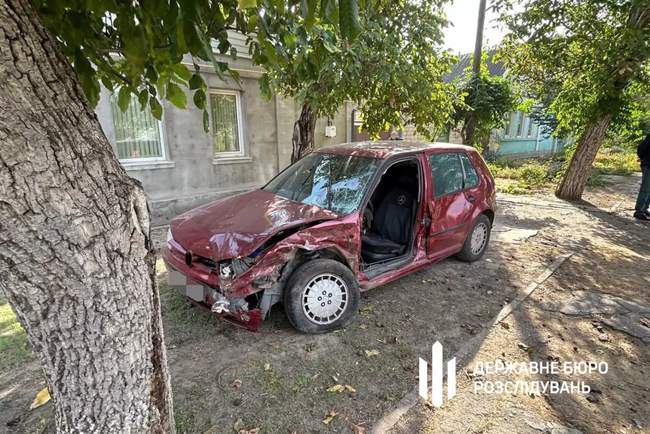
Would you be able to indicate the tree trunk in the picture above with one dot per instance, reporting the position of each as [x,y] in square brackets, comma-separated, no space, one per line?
[76,263]
[468,130]
[576,176]
[303,134]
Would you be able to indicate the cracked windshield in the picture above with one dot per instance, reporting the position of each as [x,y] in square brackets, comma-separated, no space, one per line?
[334,182]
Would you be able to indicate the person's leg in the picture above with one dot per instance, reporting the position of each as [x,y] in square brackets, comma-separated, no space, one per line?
[643,200]
[647,190]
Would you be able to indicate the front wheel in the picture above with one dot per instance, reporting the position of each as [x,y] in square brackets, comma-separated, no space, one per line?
[477,240]
[322,295]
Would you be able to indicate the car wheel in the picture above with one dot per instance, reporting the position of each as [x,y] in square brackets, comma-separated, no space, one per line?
[477,240]
[320,296]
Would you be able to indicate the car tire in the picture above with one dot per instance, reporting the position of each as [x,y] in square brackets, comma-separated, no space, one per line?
[477,240]
[318,288]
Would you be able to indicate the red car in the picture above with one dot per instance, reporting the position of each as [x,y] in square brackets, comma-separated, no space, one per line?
[344,219]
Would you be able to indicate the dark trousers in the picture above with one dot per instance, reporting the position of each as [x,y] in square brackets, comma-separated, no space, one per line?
[643,201]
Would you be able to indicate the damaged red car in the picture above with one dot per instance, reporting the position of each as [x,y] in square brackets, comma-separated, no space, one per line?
[343,219]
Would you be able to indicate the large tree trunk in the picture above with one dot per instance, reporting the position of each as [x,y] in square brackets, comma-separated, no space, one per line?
[576,176]
[75,255]
[303,134]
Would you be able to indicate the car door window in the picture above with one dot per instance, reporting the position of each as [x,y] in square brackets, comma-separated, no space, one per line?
[471,177]
[447,173]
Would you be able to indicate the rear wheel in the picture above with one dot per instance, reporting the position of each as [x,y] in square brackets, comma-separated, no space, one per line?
[477,240]
[321,295]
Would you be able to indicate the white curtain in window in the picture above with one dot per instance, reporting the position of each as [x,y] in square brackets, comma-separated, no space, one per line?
[224,122]
[137,133]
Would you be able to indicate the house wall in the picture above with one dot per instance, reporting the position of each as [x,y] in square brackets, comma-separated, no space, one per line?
[190,175]
[522,137]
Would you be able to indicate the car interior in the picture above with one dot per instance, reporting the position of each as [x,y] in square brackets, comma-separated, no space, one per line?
[389,216]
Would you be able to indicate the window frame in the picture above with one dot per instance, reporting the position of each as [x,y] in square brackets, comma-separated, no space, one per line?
[131,162]
[478,177]
[241,153]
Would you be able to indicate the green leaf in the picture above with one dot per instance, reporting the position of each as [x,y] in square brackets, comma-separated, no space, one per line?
[246,4]
[123,98]
[176,96]
[143,97]
[199,99]
[206,121]
[349,19]
[156,108]
[196,82]
[182,71]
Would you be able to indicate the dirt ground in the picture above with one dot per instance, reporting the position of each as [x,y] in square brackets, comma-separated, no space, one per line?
[226,379]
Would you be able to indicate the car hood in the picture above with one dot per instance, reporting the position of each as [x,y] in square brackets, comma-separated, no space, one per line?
[238,225]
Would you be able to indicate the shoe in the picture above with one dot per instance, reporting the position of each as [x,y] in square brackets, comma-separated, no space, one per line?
[647,213]
[640,215]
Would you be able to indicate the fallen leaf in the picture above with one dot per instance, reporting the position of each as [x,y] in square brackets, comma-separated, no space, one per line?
[249,431]
[367,308]
[371,353]
[363,326]
[236,383]
[336,388]
[42,398]
[267,366]
[330,416]
[505,325]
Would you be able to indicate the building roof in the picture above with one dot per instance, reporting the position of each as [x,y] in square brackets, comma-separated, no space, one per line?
[465,62]
[387,148]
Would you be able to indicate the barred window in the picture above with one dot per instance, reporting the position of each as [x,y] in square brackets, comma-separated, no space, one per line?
[137,133]
[226,123]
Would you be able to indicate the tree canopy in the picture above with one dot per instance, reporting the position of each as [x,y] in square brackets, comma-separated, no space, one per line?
[139,48]
[579,59]
[393,68]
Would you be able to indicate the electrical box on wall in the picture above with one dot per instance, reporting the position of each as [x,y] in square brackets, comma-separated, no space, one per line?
[330,131]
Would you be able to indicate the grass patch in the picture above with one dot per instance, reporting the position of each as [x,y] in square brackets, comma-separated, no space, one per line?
[524,176]
[14,347]
[620,163]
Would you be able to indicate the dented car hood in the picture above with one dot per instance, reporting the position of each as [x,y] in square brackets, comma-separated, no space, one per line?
[238,225]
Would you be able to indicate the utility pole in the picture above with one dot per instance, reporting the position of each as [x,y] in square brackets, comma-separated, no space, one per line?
[478,47]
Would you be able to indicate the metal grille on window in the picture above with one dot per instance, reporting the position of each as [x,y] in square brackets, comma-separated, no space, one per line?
[137,132]
[224,122]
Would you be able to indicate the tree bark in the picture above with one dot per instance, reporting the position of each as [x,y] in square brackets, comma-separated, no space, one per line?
[576,176]
[303,134]
[76,263]
[469,128]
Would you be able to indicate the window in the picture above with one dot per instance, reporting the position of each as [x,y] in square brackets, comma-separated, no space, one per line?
[520,125]
[226,123]
[531,124]
[509,122]
[447,173]
[138,135]
[471,177]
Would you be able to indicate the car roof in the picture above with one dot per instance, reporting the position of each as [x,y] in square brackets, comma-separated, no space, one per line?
[383,149]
